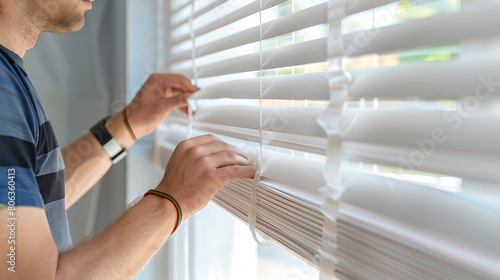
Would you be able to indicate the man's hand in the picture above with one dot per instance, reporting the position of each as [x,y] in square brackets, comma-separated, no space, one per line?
[199,167]
[156,99]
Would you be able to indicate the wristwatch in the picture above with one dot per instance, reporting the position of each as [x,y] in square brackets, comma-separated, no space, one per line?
[109,144]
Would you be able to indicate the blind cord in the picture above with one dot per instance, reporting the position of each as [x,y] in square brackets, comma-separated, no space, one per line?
[326,256]
[258,236]
[194,80]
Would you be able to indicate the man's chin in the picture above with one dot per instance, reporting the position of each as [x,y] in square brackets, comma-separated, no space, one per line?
[78,27]
[68,27]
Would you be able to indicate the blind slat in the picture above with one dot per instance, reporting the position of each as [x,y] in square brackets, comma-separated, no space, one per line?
[292,120]
[427,80]
[433,31]
[455,164]
[196,14]
[297,54]
[308,144]
[449,130]
[356,6]
[310,86]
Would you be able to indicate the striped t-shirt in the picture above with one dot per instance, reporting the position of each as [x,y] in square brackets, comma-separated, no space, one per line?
[31,163]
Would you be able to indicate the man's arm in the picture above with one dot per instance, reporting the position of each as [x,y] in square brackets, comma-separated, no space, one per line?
[196,170]
[85,159]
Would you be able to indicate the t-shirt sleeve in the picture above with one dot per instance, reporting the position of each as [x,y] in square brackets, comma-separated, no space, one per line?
[18,184]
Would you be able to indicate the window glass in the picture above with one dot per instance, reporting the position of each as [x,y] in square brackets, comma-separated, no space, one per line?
[223,249]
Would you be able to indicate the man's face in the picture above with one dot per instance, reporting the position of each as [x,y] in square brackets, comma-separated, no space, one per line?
[58,16]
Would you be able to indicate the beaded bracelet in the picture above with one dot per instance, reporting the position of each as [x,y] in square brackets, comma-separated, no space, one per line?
[174,201]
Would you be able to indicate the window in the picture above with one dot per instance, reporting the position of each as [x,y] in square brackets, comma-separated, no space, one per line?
[372,123]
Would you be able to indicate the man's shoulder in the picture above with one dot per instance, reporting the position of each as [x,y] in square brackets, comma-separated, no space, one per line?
[11,84]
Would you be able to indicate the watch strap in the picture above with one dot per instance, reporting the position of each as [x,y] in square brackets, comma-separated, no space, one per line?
[109,144]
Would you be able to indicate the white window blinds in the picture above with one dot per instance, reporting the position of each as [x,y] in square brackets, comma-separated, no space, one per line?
[374,125]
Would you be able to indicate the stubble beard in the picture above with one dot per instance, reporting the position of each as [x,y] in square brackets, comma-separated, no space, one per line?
[66,20]
[54,18]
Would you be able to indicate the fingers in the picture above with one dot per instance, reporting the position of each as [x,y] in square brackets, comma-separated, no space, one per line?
[198,140]
[232,172]
[181,82]
[208,145]
[227,158]
[177,81]
[171,92]
[179,101]
[212,152]
[220,147]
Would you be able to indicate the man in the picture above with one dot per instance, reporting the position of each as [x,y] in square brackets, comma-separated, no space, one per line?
[35,189]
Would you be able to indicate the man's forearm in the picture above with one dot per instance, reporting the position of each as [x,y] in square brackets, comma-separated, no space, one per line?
[122,249]
[86,161]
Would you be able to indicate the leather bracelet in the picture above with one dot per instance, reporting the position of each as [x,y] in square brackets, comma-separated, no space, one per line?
[174,201]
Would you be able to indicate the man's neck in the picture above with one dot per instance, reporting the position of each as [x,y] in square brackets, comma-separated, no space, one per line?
[16,38]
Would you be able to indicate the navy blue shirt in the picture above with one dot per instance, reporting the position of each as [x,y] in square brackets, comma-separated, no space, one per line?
[31,162]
